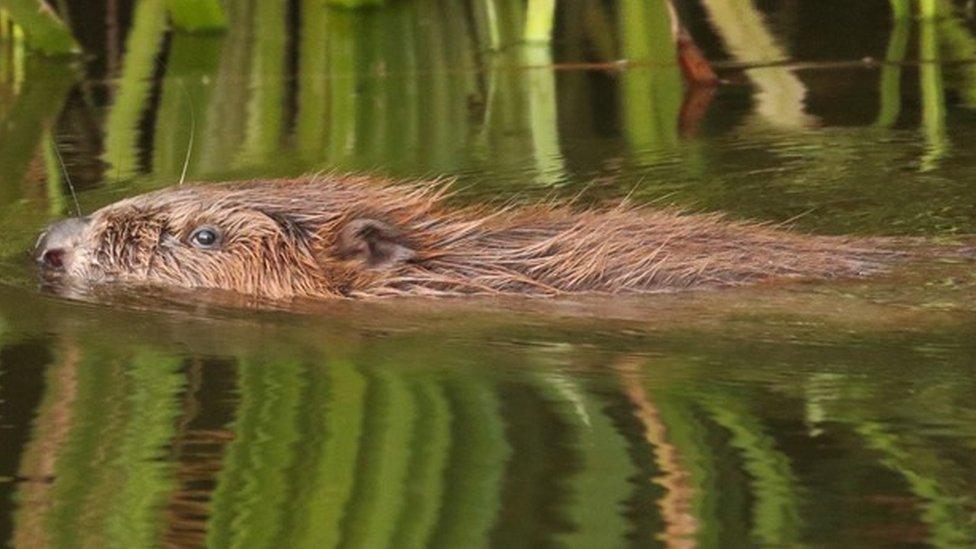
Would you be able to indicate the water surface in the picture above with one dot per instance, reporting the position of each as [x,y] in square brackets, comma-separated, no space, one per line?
[795,415]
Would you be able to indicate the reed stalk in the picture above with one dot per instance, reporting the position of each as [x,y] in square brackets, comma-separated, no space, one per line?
[6,25]
[891,70]
[476,466]
[44,30]
[390,415]
[945,509]
[650,96]
[326,475]
[776,513]
[373,132]
[607,473]
[540,91]
[183,116]
[266,100]
[355,4]
[959,44]
[198,15]
[491,18]
[221,139]
[933,96]
[54,178]
[512,15]
[900,9]
[312,122]
[251,501]
[343,81]
[28,121]
[929,9]
[430,448]
[122,129]
[540,18]
[780,95]
[434,95]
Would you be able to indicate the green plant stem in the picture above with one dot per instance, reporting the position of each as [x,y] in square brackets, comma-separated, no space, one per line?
[134,86]
[312,126]
[900,9]
[198,15]
[54,177]
[929,9]
[958,43]
[540,90]
[891,71]
[381,478]
[494,32]
[33,110]
[933,96]
[651,97]
[353,4]
[776,513]
[44,30]
[266,103]
[539,18]
[191,68]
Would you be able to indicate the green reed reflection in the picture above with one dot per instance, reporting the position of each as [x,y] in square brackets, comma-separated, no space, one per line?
[332,428]
[252,488]
[597,494]
[789,434]
[776,509]
[394,443]
[122,128]
[933,96]
[197,15]
[891,71]
[43,29]
[109,481]
[415,90]
[33,108]
[651,98]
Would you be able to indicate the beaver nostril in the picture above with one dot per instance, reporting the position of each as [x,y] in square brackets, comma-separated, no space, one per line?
[55,246]
[53,258]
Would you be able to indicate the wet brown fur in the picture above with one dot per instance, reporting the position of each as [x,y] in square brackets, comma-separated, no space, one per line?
[291,238]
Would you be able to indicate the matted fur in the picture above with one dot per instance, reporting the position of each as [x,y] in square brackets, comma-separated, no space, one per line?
[280,239]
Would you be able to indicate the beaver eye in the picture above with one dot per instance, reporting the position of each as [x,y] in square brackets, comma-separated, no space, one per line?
[205,238]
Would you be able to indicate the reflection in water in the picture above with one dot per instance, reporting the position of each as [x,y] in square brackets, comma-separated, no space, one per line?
[651,98]
[780,421]
[390,442]
[891,71]
[933,101]
[122,126]
[779,93]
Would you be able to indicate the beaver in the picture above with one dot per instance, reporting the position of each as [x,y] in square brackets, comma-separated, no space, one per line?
[333,236]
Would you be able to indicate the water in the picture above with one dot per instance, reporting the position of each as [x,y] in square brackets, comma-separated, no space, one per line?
[795,415]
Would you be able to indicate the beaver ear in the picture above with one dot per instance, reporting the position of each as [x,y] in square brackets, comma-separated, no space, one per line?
[374,243]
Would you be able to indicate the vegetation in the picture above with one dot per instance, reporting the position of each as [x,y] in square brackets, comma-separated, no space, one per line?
[384,443]
[42,27]
[276,437]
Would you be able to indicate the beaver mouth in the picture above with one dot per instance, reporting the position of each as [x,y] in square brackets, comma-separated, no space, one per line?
[59,283]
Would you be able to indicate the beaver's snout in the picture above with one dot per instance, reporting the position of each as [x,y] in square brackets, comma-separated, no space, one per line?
[56,245]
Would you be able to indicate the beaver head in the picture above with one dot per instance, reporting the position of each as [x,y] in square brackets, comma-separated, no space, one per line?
[346,236]
[274,239]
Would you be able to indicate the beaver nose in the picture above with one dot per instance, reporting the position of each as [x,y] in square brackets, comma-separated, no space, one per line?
[54,247]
